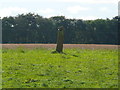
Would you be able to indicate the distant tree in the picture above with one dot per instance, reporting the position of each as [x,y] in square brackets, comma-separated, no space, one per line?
[33,28]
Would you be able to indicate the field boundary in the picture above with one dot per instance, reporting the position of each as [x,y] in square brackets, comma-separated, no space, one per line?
[52,46]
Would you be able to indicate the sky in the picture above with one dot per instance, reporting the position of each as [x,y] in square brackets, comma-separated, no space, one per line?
[77,9]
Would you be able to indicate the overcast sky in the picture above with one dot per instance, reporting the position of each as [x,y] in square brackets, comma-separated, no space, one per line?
[79,9]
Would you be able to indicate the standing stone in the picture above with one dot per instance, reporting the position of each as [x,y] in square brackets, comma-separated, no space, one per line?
[60,38]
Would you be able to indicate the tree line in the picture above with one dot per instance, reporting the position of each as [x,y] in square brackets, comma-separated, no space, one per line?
[33,28]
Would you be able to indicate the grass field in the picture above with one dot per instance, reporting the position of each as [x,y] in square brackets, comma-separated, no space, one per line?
[78,68]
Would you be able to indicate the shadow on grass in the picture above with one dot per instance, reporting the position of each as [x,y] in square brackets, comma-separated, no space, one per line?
[56,52]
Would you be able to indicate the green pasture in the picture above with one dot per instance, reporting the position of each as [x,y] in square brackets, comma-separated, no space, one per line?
[76,68]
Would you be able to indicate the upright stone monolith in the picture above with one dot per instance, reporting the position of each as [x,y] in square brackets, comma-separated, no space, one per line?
[60,38]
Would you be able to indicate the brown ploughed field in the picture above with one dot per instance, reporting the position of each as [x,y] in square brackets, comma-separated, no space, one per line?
[82,46]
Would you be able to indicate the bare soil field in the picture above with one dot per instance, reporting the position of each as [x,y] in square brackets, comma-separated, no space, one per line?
[82,46]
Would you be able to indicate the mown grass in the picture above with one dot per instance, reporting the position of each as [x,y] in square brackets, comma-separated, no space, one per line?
[78,68]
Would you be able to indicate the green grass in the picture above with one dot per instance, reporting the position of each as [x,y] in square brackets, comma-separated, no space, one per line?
[78,68]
